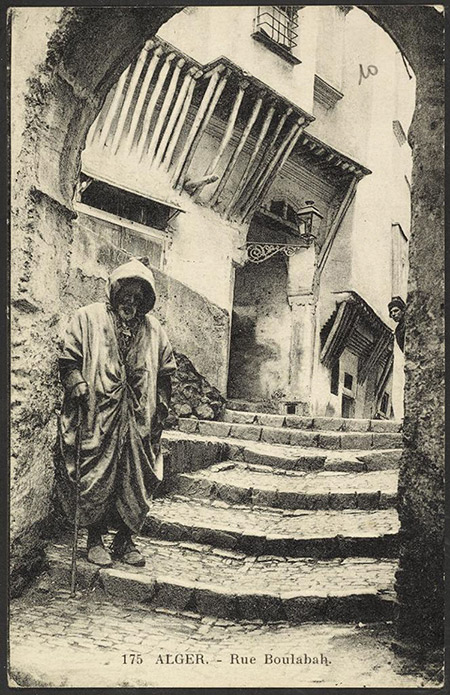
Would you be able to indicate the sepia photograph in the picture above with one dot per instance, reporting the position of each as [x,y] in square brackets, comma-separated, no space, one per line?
[226,444]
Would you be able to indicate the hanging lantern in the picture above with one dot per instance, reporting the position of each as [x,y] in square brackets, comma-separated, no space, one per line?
[311,218]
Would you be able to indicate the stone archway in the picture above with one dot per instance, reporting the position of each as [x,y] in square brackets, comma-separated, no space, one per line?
[56,98]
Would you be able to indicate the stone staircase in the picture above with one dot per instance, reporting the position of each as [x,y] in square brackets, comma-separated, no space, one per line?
[267,518]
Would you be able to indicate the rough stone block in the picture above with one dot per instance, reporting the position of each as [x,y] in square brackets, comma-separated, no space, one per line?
[214,537]
[387,500]
[220,604]
[266,607]
[172,595]
[233,493]
[368,500]
[356,425]
[265,498]
[129,586]
[252,545]
[302,609]
[385,426]
[171,531]
[192,454]
[276,435]
[249,432]
[329,424]
[380,461]
[304,438]
[298,422]
[187,425]
[353,608]
[357,440]
[342,500]
[292,500]
[329,440]
[269,420]
[242,417]
[214,429]
[387,441]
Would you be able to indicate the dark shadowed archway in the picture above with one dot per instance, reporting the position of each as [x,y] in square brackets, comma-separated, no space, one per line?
[57,99]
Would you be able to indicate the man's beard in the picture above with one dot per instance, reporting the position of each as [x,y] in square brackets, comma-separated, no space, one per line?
[128,313]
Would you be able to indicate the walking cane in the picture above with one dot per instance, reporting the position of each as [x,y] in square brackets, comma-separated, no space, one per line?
[73,577]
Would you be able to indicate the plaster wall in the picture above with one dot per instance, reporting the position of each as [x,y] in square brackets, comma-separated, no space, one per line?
[261,331]
[226,32]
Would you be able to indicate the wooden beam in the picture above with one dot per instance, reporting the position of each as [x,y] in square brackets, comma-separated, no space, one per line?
[113,108]
[165,108]
[168,130]
[254,154]
[266,158]
[167,157]
[204,104]
[209,112]
[238,149]
[243,84]
[128,101]
[336,223]
[276,164]
[141,99]
[152,103]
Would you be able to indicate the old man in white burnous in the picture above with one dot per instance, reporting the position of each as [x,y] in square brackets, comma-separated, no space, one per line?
[115,365]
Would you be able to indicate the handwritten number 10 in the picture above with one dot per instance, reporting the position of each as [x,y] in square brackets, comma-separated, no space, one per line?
[371,70]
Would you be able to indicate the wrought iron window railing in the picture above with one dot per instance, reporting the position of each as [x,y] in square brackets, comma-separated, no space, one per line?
[279,23]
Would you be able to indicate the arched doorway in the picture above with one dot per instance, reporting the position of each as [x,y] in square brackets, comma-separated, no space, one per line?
[73,72]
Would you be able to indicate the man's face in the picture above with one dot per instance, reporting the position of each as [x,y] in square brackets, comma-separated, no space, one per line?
[395,313]
[130,298]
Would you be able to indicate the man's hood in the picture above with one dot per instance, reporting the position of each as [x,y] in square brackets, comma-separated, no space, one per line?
[134,269]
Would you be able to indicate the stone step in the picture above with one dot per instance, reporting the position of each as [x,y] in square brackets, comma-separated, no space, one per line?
[294,436]
[240,483]
[329,424]
[195,578]
[193,451]
[294,458]
[262,531]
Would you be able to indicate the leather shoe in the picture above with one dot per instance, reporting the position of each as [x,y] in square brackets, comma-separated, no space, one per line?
[126,551]
[98,555]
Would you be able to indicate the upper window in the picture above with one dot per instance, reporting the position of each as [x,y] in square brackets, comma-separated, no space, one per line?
[276,27]
[130,206]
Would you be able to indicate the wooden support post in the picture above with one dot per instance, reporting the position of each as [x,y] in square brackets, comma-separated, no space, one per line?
[128,101]
[113,108]
[209,112]
[165,108]
[243,139]
[275,165]
[152,103]
[93,131]
[204,104]
[266,158]
[184,105]
[336,223]
[243,84]
[141,98]
[254,154]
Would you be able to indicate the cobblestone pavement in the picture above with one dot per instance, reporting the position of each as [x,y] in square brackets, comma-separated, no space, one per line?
[56,641]
[229,571]
[243,475]
[265,521]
